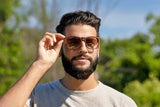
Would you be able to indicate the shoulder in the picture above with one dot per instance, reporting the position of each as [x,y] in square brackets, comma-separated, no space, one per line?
[107,89]
[116,96]
[45,88]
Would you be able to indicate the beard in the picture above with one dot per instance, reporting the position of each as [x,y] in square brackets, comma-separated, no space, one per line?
[79,73]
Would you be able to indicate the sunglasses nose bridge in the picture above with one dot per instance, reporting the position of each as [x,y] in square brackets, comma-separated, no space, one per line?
[83,47]
[82,43]
[83,39]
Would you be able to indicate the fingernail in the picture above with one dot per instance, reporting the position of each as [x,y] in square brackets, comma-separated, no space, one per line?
[55,39]
[51,43]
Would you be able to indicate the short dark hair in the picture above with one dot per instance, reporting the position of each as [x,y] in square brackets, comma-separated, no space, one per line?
[79,17]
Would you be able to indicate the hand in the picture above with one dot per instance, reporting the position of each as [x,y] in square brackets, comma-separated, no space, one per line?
[49,48]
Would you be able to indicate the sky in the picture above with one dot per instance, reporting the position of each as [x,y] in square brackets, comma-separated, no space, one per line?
[127,18]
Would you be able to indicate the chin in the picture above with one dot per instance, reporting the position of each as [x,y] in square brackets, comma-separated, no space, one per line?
[79,69]
[82,67]
[87,63]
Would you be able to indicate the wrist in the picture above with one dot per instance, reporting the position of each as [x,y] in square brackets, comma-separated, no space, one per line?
[41,65]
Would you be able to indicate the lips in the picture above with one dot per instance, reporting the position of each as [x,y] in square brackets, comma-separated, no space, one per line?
[81,59]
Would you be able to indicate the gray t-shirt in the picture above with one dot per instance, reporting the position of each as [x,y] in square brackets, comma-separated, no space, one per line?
[54,94]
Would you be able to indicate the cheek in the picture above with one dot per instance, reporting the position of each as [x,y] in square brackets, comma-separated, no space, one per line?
[95,54]
[67,52]
[97,51]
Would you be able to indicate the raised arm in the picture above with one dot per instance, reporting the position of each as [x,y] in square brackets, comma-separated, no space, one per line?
[48,51]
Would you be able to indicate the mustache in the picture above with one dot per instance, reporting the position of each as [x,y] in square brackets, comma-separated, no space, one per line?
[83,56]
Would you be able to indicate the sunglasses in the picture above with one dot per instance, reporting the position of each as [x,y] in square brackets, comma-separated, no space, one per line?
[73,42]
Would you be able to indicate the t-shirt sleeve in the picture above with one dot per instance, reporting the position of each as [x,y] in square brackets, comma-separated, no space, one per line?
[128,102]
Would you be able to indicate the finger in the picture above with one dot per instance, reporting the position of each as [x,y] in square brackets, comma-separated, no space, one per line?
[56,36]
[46,42]
[42,41]
[49,40]
[59,36]
[53,36]
[58,46]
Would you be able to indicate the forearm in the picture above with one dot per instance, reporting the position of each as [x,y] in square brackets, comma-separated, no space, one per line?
[18,94]
[48,51]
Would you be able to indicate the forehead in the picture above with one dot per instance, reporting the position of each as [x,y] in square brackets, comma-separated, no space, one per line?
[80,31]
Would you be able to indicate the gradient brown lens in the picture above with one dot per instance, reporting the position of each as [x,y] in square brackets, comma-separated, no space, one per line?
[92,42]
[75,42]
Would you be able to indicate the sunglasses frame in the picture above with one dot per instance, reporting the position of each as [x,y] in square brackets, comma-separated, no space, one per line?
[82,39]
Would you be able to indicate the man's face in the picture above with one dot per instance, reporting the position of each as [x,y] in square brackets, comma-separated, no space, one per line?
[80,60]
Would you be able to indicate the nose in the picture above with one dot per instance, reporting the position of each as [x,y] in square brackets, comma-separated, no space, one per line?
[83,49]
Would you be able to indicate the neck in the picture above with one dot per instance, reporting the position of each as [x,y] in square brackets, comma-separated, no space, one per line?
[77,84]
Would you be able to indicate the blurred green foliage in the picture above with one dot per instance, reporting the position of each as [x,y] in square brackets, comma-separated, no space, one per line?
[133,65]
[11,54]
[155,28]
[128,59]
[128,65]
[146,94]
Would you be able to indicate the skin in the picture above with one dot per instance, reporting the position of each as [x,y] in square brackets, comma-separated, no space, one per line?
[68,81]
[48,51]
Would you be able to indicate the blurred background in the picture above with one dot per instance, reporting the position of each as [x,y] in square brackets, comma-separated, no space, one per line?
[130,47]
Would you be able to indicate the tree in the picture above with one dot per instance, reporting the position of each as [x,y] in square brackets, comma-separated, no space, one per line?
[155,28]
[11,53]
[126,60]
[145,94]
[132,65]
[46,13]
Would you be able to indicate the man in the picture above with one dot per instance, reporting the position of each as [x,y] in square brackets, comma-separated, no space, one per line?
[79,49]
